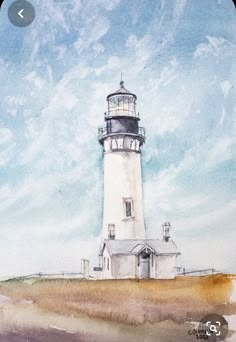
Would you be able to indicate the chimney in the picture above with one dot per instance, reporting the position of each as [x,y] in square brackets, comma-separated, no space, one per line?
[166,231]
[111,232]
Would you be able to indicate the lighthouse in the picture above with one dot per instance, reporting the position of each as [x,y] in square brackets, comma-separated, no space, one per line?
[125,252]
[122,139]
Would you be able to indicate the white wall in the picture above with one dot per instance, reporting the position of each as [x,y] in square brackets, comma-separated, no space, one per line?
[165,266]
[124,266]
[98,275]
[122,179]
[106,273]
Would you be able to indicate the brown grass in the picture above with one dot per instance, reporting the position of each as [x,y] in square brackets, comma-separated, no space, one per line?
[128,301]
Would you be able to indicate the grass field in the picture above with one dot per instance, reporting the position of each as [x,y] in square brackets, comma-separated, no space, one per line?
[124,302]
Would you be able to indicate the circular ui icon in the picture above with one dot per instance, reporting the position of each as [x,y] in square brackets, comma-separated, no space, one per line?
[21,13]
[214,327]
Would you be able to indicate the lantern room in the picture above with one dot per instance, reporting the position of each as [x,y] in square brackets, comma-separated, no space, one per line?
[122,121]
[121,103]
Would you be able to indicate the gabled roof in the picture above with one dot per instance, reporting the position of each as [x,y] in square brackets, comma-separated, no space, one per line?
[135,247]
[142,246]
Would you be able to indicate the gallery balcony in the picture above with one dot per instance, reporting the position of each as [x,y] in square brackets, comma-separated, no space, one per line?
[103,132]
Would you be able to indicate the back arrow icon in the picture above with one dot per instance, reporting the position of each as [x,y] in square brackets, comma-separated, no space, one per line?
[20,13]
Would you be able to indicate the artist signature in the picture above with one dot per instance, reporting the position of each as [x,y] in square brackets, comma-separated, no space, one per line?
[199,333]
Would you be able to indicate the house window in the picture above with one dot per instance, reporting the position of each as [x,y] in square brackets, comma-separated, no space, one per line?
[104,263]
[128,207]
[108,263]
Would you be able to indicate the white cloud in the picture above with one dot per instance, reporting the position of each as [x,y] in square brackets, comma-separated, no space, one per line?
[112,64]
[43,129]
[166,26]
[15,101]
[214,250]
[5,192]
[86,24]
[226,86]
[35,79]
[76,6]
[47,256]
[214,47]
[68,100]
[60,52]
[141,50]
[12,112]
[87,37]
[158,192]
[7,146]
[222,118]
[98,48]
[221,151]
[192,201]
[166,199]
[13,104]
[109,5]
[168,74]
[207,154]
[214,219]
[40,190]
[5,135]
[7,154]
[179,7]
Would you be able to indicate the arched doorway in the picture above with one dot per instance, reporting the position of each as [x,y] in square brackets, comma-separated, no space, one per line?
[144,264]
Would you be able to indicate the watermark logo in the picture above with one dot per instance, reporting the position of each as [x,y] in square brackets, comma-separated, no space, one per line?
[212,327]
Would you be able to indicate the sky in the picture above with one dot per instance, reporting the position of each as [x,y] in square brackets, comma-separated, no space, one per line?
[177,57]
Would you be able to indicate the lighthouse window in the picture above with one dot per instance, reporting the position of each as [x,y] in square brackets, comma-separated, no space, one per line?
[128,207]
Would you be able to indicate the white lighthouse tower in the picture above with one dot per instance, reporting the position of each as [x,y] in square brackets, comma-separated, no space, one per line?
[125,252]
[122,139]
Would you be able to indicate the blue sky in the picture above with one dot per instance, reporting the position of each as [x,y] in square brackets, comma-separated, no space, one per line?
[177,56]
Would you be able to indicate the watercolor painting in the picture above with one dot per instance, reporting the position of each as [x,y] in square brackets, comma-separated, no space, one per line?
[117,170]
